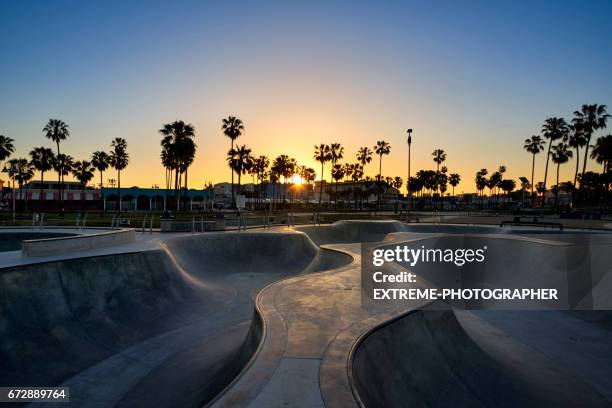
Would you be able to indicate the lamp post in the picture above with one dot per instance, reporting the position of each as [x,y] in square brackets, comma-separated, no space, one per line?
[408,179]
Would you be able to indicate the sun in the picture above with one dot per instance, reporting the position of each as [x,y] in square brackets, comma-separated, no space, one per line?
[296,179]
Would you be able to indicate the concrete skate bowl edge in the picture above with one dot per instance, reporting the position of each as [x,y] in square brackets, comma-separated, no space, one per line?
[426,358]
[64,318]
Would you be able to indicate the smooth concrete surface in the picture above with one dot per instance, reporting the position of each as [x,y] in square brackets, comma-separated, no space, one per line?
[169,321]
[50,246]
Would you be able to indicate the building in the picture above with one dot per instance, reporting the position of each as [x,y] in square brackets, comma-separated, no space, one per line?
[39,196]
[156,199]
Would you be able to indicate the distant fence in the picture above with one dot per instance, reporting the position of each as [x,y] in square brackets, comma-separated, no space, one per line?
[62,245]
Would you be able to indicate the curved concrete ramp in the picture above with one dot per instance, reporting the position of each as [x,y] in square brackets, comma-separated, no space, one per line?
[350,231]
[427,358]
[116,328]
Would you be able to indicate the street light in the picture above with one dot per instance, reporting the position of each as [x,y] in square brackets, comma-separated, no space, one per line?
[409,131]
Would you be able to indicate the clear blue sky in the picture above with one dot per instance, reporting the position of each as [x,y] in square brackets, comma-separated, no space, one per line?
[474,78]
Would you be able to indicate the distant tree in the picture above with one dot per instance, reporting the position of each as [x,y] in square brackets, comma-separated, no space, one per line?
[553,129]
[576,139]
[101,161]
[83,171]
[232,128]
[589,119]
[602,152]
[534,145]
[382,148]
[454,180]
[57,131]
[42,160]
[322,154]
[7,147]
[119,160]
[560,154]
[240,160]
[508,185]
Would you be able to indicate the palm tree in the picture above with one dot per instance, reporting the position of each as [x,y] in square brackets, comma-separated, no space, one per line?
[7,147]
[260,169]
[481,183]
[561,154]
[397,183]
[438,156]
[178,153]
[24,171]
[42,160]
[57,130]
[576,140]
[589,119]
[534,145]
[337,153]
[84,172]
[454,179]
[602,152]
[322,154]
[553,129]
[100,160]
[337,174]
[382,148]
[62,164]
[232,127]
[240,161]
[119,160]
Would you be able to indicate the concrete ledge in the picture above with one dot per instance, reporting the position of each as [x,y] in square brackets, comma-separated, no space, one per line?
[62,245]
[191,226]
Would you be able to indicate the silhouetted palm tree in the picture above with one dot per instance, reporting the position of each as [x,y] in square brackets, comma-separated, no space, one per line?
[7,147]
[83,171]
[100,160]
[576,140]
[322,154]
[438,157]
[382,148]
[337,153]
[602,152]
[119,160]
[232,127]
[57,130]
[454,179]
[561,153]
[62,164]
[240,161]
[178,152]
[534,145]
[22,172]
[589,119]
[42,160]
[553,129]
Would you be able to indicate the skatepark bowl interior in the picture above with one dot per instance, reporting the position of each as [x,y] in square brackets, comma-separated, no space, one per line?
[276,318]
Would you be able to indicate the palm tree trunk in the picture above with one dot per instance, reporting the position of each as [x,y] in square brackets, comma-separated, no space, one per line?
[546,169]
[586,154]
[379,180]
[118,192]
[186,191]
[233,198]
[577,164]
[101,194]
[321,186]
[42,197]
[557,192]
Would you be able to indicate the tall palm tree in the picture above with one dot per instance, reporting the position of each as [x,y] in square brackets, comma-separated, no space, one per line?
[590,118]
[454,179]
[561,153]
[576,140]
[100,160]
[119,160]
[240,161]
[439,156]
[602,152]
[23,171]
[534,145]
[62,164]
[42,160]
[337,153]
[178,153]
[553,129]
[260,168]
[382,148]
[364,156]
[84,172]
[232,127]
[7,147]
[322,154]
[57,130]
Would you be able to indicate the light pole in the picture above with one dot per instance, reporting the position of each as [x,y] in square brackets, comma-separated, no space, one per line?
[408,179]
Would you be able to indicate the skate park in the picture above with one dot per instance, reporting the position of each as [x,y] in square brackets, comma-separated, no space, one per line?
[274,317]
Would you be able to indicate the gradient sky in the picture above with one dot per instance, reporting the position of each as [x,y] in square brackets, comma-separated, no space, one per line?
[473,78]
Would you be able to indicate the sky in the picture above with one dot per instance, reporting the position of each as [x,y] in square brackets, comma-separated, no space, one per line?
[474,78]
